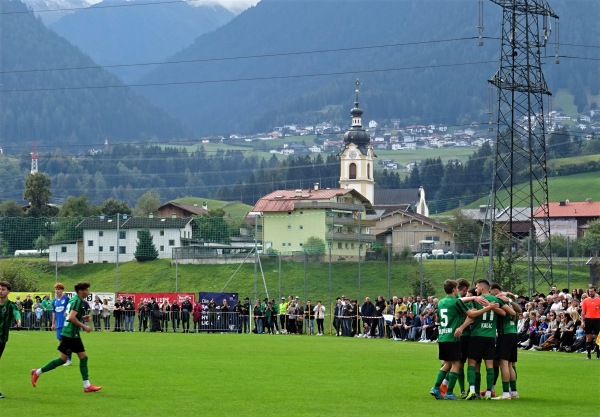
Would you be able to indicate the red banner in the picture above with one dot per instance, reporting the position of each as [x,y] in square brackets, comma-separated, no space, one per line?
[159,297]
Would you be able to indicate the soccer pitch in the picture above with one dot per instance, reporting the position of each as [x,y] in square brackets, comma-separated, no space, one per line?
[166,374]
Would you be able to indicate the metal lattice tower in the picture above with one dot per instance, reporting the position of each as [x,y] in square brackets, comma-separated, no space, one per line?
[520,201]
[34,160]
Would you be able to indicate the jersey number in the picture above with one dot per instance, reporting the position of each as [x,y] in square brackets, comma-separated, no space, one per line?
[484,318]
[443,313]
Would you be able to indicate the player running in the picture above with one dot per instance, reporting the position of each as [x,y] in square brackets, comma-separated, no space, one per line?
[71,342]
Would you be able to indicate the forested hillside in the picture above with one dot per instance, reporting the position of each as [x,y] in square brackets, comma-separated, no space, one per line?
[419,61]
[42,100]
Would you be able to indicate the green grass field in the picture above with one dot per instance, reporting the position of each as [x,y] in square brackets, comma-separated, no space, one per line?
[260,375]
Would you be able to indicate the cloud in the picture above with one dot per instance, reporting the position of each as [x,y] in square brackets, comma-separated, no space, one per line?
[234,5]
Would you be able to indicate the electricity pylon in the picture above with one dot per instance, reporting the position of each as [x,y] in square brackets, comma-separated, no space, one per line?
[520,203]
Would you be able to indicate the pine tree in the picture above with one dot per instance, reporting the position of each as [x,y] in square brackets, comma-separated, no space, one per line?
[145,250]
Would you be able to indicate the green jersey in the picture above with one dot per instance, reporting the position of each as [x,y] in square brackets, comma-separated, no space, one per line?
[467,331]
[70,329]
[507,324]
[486,324]
[451,312]
[8,312]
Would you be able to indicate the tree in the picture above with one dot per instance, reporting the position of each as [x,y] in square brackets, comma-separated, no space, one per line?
[504,271]
[213,227]
[314,247]
[19,275]
[40,243]
[112,207]
[147,204]
[466,232]
[10,208]
[76,207]
[37,192]
[591,241]
[145,249]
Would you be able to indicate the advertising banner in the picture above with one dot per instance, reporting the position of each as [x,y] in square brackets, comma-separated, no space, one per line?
[160,297]
[213,318]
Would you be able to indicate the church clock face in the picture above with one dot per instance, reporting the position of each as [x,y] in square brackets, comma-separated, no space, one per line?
[352,154]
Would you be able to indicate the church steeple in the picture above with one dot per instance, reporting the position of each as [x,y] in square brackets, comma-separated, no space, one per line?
[357,156]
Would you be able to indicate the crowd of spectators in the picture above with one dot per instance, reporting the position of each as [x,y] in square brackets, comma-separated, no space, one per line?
[548,322]
[552,322]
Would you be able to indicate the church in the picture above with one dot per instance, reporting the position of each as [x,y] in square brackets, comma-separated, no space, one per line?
[353,218]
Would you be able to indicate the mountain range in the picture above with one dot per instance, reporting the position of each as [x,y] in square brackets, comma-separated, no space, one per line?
[281,61]
[116,33]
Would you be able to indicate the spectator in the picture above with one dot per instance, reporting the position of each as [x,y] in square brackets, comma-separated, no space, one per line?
[258,317]
[309,317]
[377,327]
[212,315]
[106,315]
[291,317]
[319,312]
[175,317]
[197,315]
[367,312]
[186,310]
[338,314]
[165,310]
[245,316]
[142,316]
[38,311]
[28,311]
[128,313]
[47,315]
[96,313]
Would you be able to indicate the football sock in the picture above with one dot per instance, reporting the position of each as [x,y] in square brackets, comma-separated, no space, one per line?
[489,378]
[471,378]
[86,383]
[496,374]
[505,387]
[440,377]
[589,347]
[461,379]
[51,365]
[477,382]
[83,368]
[452,378]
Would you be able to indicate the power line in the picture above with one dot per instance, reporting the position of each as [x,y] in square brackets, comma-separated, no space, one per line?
[96,6]
[242,57]
[231,80]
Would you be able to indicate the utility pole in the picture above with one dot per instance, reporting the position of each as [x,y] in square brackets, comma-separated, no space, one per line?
[520,188]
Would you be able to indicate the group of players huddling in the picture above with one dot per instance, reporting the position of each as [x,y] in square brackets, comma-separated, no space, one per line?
[480,326]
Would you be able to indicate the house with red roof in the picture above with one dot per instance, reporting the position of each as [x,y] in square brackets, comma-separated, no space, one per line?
[569,218]
[287,218]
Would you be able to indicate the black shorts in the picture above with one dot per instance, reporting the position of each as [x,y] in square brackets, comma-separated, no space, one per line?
[592,326]
[70,345]
[449,351]
[506,347]
[2,346]
[482,348]
[464,348]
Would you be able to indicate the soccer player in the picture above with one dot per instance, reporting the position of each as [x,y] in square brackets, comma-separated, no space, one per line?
[59,307]
[483,337]
[71,342]
[452,313]
[8,312]
[506,344]
[590,317]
